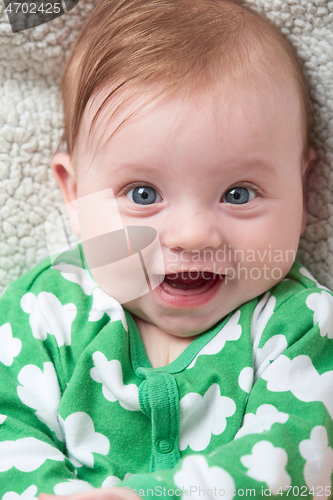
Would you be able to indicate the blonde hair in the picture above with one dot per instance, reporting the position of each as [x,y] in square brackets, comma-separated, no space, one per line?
[166,45]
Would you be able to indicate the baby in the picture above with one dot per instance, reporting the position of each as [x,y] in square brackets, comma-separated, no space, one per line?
[188,119]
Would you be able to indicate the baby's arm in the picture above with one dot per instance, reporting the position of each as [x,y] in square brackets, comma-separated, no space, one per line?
[32,449]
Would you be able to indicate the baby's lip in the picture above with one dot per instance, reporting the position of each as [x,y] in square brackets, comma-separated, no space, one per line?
[189,290]
[196,270]
[189,277]
[191,280]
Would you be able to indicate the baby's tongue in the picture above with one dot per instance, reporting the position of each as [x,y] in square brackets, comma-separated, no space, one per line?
[187,280]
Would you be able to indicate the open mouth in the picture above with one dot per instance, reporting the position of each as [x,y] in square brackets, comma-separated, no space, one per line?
[190,282]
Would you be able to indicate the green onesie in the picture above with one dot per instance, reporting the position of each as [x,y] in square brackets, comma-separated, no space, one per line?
[245,410]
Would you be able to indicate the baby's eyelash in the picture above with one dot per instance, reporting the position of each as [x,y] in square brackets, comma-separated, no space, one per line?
[240,194]
[143,194]
[134,185]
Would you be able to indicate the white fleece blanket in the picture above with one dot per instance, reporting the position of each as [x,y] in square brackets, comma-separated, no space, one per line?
[30,128]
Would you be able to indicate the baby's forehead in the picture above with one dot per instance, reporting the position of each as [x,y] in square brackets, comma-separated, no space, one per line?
[134,117]
[264,89]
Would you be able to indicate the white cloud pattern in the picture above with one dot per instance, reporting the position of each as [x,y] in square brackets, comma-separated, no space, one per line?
[196,476]
[109,373]
[102,302]
[2,418]
[266,416]
[268,463]
[260,317]
[111,481]
[231,331]
[75,274]
[245,379]
[274,346]
[301,378]
[72,486]
[202,416]
[307,273]
[49,316]
[27,454]
[29,494]
[319,461]
[9,347]
[322,306]
[40,391]
[82,440]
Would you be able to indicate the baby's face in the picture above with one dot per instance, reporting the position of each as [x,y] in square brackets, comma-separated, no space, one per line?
[219,176]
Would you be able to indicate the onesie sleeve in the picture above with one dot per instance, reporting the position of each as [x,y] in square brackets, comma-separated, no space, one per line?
[32,449]
[284,447]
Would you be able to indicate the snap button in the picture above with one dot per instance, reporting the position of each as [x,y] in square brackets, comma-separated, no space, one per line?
[164,445]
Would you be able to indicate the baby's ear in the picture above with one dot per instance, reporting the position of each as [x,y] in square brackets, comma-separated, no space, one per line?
[309,161]
[65,176]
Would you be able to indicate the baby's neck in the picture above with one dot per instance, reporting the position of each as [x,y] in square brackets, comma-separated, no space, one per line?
[161,347]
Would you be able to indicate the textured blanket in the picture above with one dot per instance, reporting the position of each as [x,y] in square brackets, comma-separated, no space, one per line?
[30,128]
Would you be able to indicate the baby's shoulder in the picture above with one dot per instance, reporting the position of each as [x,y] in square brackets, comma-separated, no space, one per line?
[64,279]
[299,274]
[297,286]
[56,306]
[295,306]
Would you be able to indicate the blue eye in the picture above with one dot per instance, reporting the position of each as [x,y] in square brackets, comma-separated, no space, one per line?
[144,195]
[239,195]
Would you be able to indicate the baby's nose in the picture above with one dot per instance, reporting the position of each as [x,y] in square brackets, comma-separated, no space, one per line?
[194,233]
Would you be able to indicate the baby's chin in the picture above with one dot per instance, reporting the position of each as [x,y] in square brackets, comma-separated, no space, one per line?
[182,327]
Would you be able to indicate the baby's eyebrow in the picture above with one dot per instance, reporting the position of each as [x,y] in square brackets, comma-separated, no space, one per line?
[242,168]
[261,167]
[138,168]
[256,166]
[141,166]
